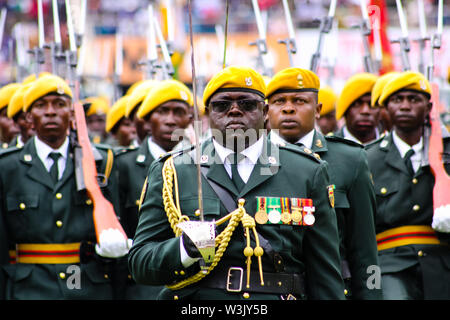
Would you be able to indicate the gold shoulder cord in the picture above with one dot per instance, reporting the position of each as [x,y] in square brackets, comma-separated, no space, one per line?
[175,216]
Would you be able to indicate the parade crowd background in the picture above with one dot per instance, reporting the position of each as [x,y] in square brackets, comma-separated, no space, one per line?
[342,50]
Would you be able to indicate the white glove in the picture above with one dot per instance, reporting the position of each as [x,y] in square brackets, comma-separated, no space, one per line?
[113,244]
[441,219]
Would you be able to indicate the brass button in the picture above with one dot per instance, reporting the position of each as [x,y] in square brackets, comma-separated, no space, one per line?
[246,295]
[22,206]
[59,223]
[182,272]
[175,297]
[129,276]
[420,253]
[62,275]
[106,276]
[383,190]
[414,181]
[416,207]
[88,202]
[137,202]
[58,196]
[345,291]
[176,272]
[280,283]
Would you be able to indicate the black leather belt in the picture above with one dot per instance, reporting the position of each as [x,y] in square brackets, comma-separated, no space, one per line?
[234,279]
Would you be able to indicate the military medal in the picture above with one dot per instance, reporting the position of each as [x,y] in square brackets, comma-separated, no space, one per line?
[308,219]
[261,216]
[285,214]
[296,211]
[274,215]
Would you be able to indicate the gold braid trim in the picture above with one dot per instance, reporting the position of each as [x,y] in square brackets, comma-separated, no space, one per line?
[175,216]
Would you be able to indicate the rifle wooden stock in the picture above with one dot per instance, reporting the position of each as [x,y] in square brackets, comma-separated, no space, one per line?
[435,154]
[103,211]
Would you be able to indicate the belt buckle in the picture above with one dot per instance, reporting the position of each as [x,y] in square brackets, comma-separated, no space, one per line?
[231,270]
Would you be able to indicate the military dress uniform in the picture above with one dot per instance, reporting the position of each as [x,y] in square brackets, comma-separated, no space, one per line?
[49,229]
[405,205]
[302,251]
[355,206]
[414,258]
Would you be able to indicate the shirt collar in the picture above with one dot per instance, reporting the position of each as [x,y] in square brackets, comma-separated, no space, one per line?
[306,140]
[155,149]
[43,149]
[403,147]
[252,153]
[349,136]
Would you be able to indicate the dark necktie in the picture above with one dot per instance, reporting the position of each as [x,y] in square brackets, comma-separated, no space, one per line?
[408,162]
[235,176]
[54,168]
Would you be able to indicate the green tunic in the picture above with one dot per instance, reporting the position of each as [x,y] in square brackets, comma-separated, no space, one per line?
[404,200]
[286,171]
[34,210]
[355,209]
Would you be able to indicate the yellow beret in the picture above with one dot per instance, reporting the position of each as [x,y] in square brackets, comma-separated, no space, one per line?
[6,93]
[116,113]
[357,86]
[162,92]
[379,85]
[327,98]
[408,80]
[32,77]
[43,86]
[241,77]
[138,94]
[133,86]
[15,104]
[99,105]
[293,79]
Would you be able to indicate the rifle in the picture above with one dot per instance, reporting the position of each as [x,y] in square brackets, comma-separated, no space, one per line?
[290,43]
[441,202]
[118,66]
[86,171]
[261,43]
[56,46]
[403,40]
[365,32]
[38,51]
[325,26]
[423,35]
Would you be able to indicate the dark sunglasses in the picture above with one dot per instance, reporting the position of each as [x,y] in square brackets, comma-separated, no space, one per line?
[223,106]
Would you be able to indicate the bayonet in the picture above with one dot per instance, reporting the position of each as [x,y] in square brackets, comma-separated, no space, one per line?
[365,32]
[436,40]
[290,43]
[325,26]
[403,40]
[261,43]
[38,51]
[166,64]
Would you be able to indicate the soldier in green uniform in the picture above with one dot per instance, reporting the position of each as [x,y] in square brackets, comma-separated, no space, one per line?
[290,246]
[361,121]
[137,96]
[293,108]
[8,128]
[166,108]
[120,127]
[15,112]
[327,121]
[46,224]
[414,258]
[96,109]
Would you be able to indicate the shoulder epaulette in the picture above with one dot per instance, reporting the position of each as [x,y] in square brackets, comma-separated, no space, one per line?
[300,150]
[346,141]
[123,150]
[9,150]
[175,153]
[375,142]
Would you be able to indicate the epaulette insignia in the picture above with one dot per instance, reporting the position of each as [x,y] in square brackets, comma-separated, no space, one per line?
[319,143]
[316,155]
[27,157]
[140,158]
[308,151]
